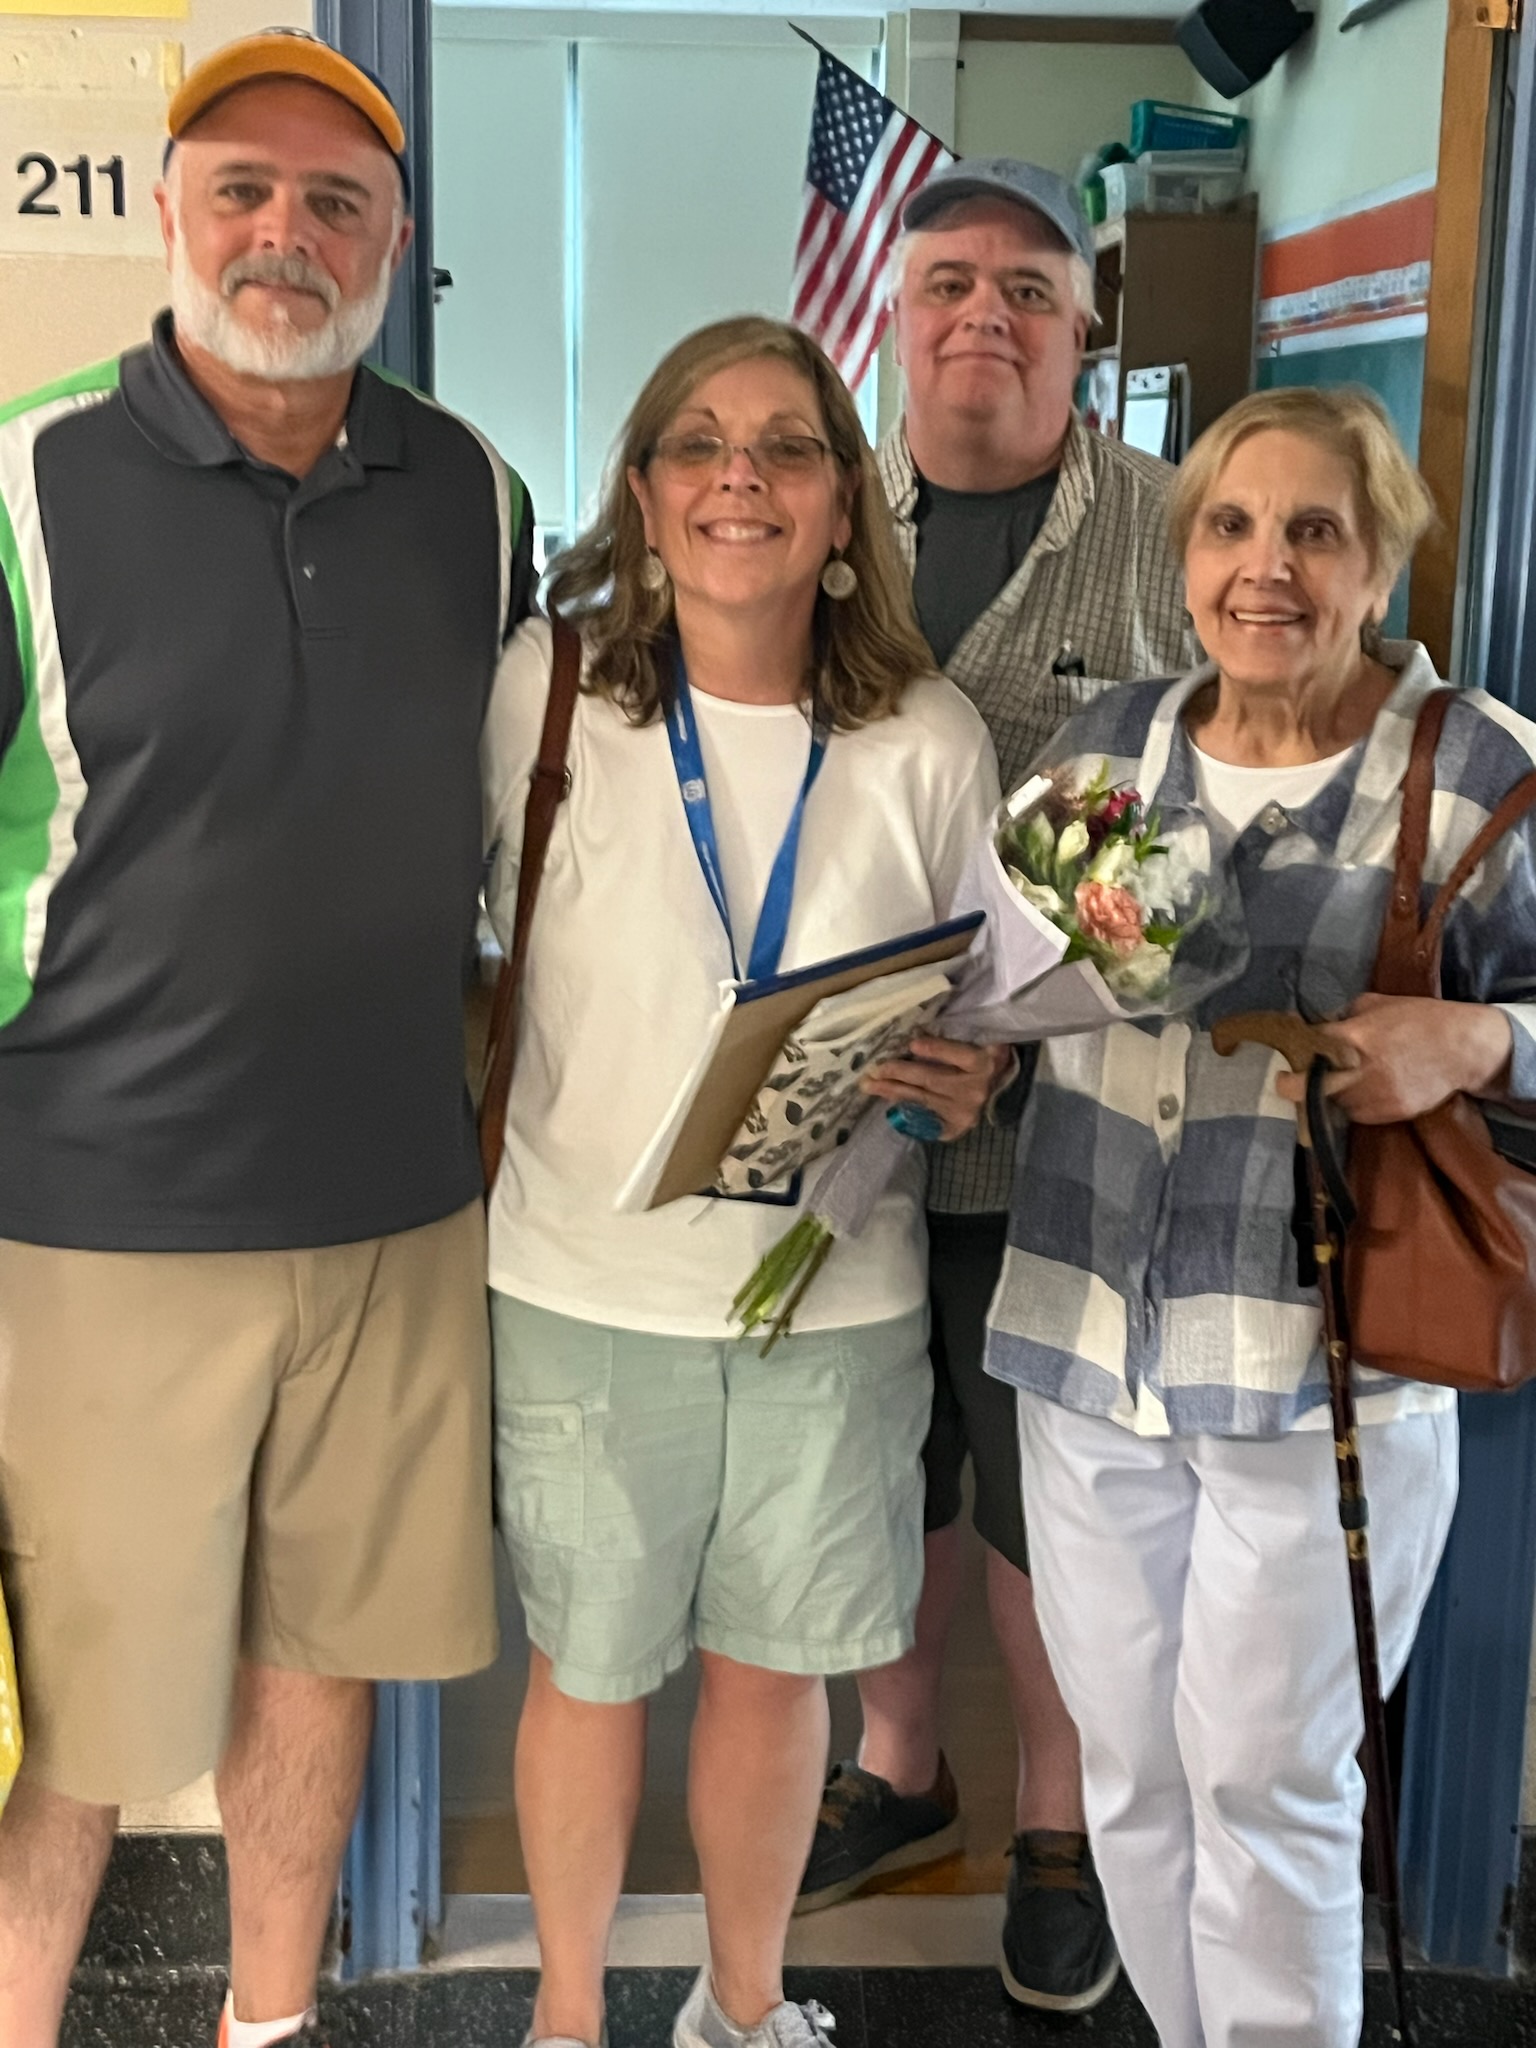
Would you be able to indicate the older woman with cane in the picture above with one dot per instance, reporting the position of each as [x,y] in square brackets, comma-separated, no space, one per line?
[1174,1405]
[764,773]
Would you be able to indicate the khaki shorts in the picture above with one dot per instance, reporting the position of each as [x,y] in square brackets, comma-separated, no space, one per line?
[283,1456]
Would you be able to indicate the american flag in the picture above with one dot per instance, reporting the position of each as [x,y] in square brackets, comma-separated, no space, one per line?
[866,157]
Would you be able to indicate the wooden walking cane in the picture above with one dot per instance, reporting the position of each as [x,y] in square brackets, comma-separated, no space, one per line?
[1307,1050]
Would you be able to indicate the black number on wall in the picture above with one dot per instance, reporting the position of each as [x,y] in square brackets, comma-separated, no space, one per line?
[46,172]
[33,201]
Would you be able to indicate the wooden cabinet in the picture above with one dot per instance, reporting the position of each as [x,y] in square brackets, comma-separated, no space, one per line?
[1180,288]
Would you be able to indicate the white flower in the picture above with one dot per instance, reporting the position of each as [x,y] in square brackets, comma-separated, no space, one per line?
[1165,882]
[1114,863]
[1142,975]
[1073,843]
[1044,899]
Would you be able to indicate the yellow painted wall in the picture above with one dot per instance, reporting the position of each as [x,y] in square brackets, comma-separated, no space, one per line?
[73,291]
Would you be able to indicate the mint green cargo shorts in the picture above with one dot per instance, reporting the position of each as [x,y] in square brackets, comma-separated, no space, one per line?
[660,1492]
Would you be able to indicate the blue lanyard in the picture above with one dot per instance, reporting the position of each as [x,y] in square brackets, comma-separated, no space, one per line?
[688,761]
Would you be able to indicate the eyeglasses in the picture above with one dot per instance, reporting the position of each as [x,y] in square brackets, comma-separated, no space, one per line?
[773,456]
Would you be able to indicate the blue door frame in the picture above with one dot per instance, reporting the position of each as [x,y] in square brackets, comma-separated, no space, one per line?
[391,1882]
[1469,1679]
[1469,1688]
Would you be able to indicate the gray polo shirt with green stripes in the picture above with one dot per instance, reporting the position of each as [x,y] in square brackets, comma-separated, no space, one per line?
[240,823]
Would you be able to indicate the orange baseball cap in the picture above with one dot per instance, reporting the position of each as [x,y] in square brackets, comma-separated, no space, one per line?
[287,53]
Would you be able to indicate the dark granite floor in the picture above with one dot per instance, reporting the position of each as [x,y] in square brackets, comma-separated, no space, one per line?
[178,2008]
[148,1981]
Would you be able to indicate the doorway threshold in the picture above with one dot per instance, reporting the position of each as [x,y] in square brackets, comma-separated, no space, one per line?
[659,1930]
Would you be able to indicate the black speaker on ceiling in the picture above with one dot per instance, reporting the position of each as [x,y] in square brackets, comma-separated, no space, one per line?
[1233,43]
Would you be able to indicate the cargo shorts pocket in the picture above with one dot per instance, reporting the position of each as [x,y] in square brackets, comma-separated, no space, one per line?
[541,1471]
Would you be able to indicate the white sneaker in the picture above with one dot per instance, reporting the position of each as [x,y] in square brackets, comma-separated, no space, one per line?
[532,2040]
[701,2024]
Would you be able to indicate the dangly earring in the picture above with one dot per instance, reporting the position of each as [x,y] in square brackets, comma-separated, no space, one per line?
[839,579]
[653,571]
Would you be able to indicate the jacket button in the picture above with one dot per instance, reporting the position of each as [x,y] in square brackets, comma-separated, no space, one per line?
[1168,1107]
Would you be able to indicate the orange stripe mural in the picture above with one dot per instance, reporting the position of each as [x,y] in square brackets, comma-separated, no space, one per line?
[1369,265]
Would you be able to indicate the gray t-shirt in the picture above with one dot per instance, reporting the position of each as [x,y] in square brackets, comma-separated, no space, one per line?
[969,543]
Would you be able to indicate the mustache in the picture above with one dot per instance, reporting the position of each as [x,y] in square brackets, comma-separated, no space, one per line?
[294,272]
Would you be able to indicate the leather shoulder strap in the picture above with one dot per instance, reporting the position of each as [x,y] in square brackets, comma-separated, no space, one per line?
[546,792]
[1400,971]
[1408,959]
[1508,814]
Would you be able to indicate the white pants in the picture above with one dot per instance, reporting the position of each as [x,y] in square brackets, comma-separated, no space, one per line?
[1194,1599]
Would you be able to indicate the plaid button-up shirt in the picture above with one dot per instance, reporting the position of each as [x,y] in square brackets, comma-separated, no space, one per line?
[1151,1271]
[1101,578]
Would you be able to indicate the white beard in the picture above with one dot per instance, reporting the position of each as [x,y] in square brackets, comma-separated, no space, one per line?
[280,353]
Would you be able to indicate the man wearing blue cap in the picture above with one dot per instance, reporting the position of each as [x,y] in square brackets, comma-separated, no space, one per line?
[1042,573]
[252,599]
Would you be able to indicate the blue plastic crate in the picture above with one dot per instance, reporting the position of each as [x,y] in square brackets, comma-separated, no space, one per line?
[1161,124]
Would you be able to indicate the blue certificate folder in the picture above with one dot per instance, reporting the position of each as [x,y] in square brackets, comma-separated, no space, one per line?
[745,1039]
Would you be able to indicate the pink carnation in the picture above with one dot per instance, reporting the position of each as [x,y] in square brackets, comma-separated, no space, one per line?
[1109,914]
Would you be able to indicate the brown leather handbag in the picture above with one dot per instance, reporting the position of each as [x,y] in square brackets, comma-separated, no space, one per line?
[546,792]
[1440,1263]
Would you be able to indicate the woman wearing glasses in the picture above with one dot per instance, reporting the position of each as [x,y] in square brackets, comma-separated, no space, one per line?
[748,639]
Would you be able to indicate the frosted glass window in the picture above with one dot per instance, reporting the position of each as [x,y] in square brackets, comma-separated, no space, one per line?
[685,142]
[498,150]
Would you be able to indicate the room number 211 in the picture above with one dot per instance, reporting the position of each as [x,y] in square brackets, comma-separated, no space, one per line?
[46,174]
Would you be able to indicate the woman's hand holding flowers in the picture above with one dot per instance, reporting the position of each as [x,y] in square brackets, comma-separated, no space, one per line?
[955,1081]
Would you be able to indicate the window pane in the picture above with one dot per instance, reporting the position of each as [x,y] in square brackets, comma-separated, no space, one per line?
[692,161]
[499,226]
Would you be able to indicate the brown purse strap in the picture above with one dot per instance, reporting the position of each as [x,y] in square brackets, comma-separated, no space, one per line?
[1400,971]
[546,792]
[1408,958]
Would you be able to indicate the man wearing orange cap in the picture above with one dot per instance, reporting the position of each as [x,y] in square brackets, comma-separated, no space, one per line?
[251,602]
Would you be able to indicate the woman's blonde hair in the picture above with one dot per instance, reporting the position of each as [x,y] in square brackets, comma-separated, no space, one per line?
[1393,500]
[866,648]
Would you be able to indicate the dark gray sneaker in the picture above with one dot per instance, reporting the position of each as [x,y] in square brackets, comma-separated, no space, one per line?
[866,1830]
[1058,1952]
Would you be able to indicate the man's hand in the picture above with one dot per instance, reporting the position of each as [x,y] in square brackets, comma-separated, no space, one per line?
[1402,1055]
[955,1081]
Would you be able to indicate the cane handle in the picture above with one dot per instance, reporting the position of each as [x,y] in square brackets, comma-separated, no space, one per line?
[1297,1041]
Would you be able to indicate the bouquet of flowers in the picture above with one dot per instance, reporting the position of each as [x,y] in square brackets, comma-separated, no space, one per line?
[1091,861]
[1099,910]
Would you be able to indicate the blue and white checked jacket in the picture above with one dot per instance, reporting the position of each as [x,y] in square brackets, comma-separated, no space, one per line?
[1151,1271]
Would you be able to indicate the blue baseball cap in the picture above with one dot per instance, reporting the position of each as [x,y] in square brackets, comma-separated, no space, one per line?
[1006,177]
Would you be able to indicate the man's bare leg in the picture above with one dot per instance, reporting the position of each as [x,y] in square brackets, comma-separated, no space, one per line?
[901,1700]
[288,1791]
[1050,1790]
[53,1851]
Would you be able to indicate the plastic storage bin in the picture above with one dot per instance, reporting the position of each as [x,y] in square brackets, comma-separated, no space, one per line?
[1162,124]
[1173,181]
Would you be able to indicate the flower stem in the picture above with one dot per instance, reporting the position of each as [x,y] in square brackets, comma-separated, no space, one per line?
[779,1282]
